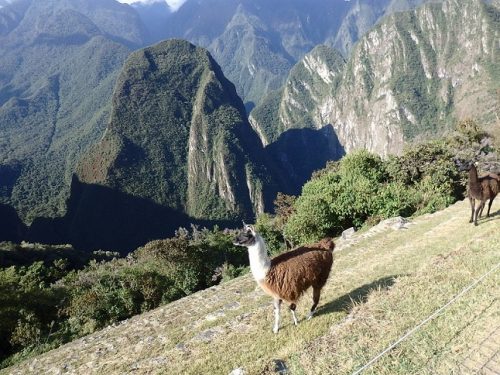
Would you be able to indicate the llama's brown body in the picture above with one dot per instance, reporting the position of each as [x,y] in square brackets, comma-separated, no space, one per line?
[295,271]
[483,189]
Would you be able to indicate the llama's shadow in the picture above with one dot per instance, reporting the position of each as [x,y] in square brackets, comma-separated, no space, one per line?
[360,294]
[493,216]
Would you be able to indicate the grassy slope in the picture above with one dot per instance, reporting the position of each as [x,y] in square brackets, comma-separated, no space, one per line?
[383,283]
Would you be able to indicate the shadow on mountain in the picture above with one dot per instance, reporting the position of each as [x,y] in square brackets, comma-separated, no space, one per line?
[99,217]
[12,227]
[358,295]
[299,152]
[249,106]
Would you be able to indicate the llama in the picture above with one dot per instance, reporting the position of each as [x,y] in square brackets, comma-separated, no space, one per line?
[482,189]
[287,276]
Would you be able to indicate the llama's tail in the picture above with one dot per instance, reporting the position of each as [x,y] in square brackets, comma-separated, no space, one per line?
[327,244]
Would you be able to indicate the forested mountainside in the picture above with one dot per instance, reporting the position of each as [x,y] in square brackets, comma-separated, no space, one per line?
[411,77]
[58,65]
[178,148]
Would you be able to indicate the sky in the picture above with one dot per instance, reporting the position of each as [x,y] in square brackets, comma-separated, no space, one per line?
[173,4]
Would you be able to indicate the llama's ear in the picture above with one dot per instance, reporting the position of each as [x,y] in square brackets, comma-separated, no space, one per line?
[248,227]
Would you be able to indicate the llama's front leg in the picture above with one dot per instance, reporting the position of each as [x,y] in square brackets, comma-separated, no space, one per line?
[293,306]
[277,305]
[472,206]
[481,211]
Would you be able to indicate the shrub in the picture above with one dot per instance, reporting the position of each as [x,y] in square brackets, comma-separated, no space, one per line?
[364,188]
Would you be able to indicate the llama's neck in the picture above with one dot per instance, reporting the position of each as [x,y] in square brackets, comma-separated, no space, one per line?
[259,261]
[474,185]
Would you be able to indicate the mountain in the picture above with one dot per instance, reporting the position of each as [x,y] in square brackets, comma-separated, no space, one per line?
[289,133]
[256,42]
[361,17]
[410,77]
[178,149]
[59,60]
[155,16]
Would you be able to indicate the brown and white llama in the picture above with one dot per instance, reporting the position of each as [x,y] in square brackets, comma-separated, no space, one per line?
[481,188]
[287,276]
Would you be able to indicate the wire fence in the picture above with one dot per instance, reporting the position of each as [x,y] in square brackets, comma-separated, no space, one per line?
[486,366]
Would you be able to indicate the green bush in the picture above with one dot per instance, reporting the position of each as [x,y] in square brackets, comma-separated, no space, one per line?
[363,188]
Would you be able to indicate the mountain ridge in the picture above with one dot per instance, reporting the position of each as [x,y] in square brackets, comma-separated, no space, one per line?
[406,77]
[54,86]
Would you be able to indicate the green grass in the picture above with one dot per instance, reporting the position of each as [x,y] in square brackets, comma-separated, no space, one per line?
[383,283]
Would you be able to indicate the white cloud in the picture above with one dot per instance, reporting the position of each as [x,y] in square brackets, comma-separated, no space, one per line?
[173,4]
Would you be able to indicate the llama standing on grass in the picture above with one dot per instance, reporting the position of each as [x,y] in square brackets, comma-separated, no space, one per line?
[287,276]
[482,189]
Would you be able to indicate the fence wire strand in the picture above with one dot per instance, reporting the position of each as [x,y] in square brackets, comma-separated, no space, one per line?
[423,322]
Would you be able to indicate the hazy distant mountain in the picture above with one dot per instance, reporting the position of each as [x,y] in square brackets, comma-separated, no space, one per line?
[256,42]
[155,17]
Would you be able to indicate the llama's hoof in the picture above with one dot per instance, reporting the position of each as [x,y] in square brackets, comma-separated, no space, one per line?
[475,224]
[275,330]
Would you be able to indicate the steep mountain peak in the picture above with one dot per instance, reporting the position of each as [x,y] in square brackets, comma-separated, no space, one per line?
[243,17]
[178,137]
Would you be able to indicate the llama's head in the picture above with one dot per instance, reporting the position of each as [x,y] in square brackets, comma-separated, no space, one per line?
[246,236]
[464,165]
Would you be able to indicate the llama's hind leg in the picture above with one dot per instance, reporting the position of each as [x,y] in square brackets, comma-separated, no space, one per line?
[293,306]
[489,207]
[481,211]
[277,305]
[316,295]
[478,209]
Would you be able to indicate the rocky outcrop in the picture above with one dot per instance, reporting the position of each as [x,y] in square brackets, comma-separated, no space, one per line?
[410,77]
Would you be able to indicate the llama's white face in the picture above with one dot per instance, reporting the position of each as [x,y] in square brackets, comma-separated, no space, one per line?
[246,237]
